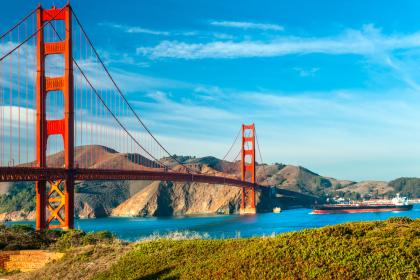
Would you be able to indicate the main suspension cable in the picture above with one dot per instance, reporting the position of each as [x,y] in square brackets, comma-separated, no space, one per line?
[17,24]
[106,106]
[34,33]
[123,96]
[233,144]
[259,152]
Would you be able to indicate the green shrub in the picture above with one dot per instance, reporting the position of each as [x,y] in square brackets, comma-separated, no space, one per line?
[23,236]
[21,196]
[22,227]
[400,220]
[75,238]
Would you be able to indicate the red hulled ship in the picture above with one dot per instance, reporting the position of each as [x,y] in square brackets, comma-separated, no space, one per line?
[396,204]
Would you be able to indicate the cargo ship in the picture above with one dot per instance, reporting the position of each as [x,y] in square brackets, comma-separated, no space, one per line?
[396,204]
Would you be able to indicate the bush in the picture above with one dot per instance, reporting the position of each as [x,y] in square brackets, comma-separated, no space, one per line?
[21,196]
[75,238]
[399,220]
[22,227]
[23,236]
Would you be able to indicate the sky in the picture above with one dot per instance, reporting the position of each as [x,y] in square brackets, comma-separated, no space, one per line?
[333,86]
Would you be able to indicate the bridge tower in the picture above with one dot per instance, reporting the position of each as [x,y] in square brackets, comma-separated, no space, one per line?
[248,168]
[59,200]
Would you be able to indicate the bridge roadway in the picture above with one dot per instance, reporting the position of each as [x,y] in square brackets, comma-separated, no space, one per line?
[16,174]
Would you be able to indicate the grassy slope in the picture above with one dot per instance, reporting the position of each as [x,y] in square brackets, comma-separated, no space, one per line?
[366,250]
[378,250]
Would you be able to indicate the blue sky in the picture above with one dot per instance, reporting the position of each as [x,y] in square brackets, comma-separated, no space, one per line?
[331,85]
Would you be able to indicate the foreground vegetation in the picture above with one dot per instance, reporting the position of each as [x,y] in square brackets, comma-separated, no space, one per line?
[24,237]
[366,250]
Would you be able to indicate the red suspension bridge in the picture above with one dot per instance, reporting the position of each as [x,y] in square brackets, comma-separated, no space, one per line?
[57,97]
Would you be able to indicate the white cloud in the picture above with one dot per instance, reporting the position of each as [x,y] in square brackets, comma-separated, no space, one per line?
[248,25]
[368,41]
[128,81]
[142,30]
[162,108]
[223,36]
[134,29]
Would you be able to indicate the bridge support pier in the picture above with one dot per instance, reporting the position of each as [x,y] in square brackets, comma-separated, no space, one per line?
[69,203]
[247,211]
[59,201]
[41,206]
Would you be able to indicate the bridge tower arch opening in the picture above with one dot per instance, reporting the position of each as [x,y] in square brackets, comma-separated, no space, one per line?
[55,208]
[248,169]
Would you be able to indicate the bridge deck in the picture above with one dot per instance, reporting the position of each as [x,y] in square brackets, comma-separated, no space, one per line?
[13,174]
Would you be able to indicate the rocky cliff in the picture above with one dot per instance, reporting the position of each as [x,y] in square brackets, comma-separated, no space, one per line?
[167,198]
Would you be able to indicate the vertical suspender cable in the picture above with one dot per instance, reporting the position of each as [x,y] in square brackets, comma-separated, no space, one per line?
[118,121]
[17,24]
[34,87]
[87,112]
[119,114]
[101,137]
[26,96]
[91,123]
[259,151]
[75,101]
[18,93]
[112,122]
[81,94]
[11,106]
[1,110]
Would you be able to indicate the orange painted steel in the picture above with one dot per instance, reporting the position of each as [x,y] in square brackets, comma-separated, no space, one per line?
[248,165]
[55,205]
[16,174]
[64,127]
[41,135]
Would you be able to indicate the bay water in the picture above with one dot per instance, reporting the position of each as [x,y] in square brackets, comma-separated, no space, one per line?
[228,226]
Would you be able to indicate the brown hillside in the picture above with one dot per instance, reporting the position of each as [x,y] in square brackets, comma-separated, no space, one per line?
[140,198]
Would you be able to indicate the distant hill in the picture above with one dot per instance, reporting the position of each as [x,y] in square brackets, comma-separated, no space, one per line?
[146,198]
[406,186]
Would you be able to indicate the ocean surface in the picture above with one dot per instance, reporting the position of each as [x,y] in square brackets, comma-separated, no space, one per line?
[227,226]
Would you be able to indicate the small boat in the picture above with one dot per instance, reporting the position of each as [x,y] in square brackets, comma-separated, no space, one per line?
[396,204]
[276,210]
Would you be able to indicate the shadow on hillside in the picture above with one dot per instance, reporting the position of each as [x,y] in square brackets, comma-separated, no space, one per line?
[158,274]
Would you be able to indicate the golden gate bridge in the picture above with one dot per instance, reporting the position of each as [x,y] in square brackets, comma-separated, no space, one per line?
[59,102]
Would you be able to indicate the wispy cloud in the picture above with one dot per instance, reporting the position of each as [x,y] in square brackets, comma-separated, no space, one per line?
[164,108]
[306,72]
[367,41]
[248,25]
[134,29]
[143,30]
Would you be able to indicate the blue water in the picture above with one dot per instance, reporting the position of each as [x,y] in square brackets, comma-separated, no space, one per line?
[225,226]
